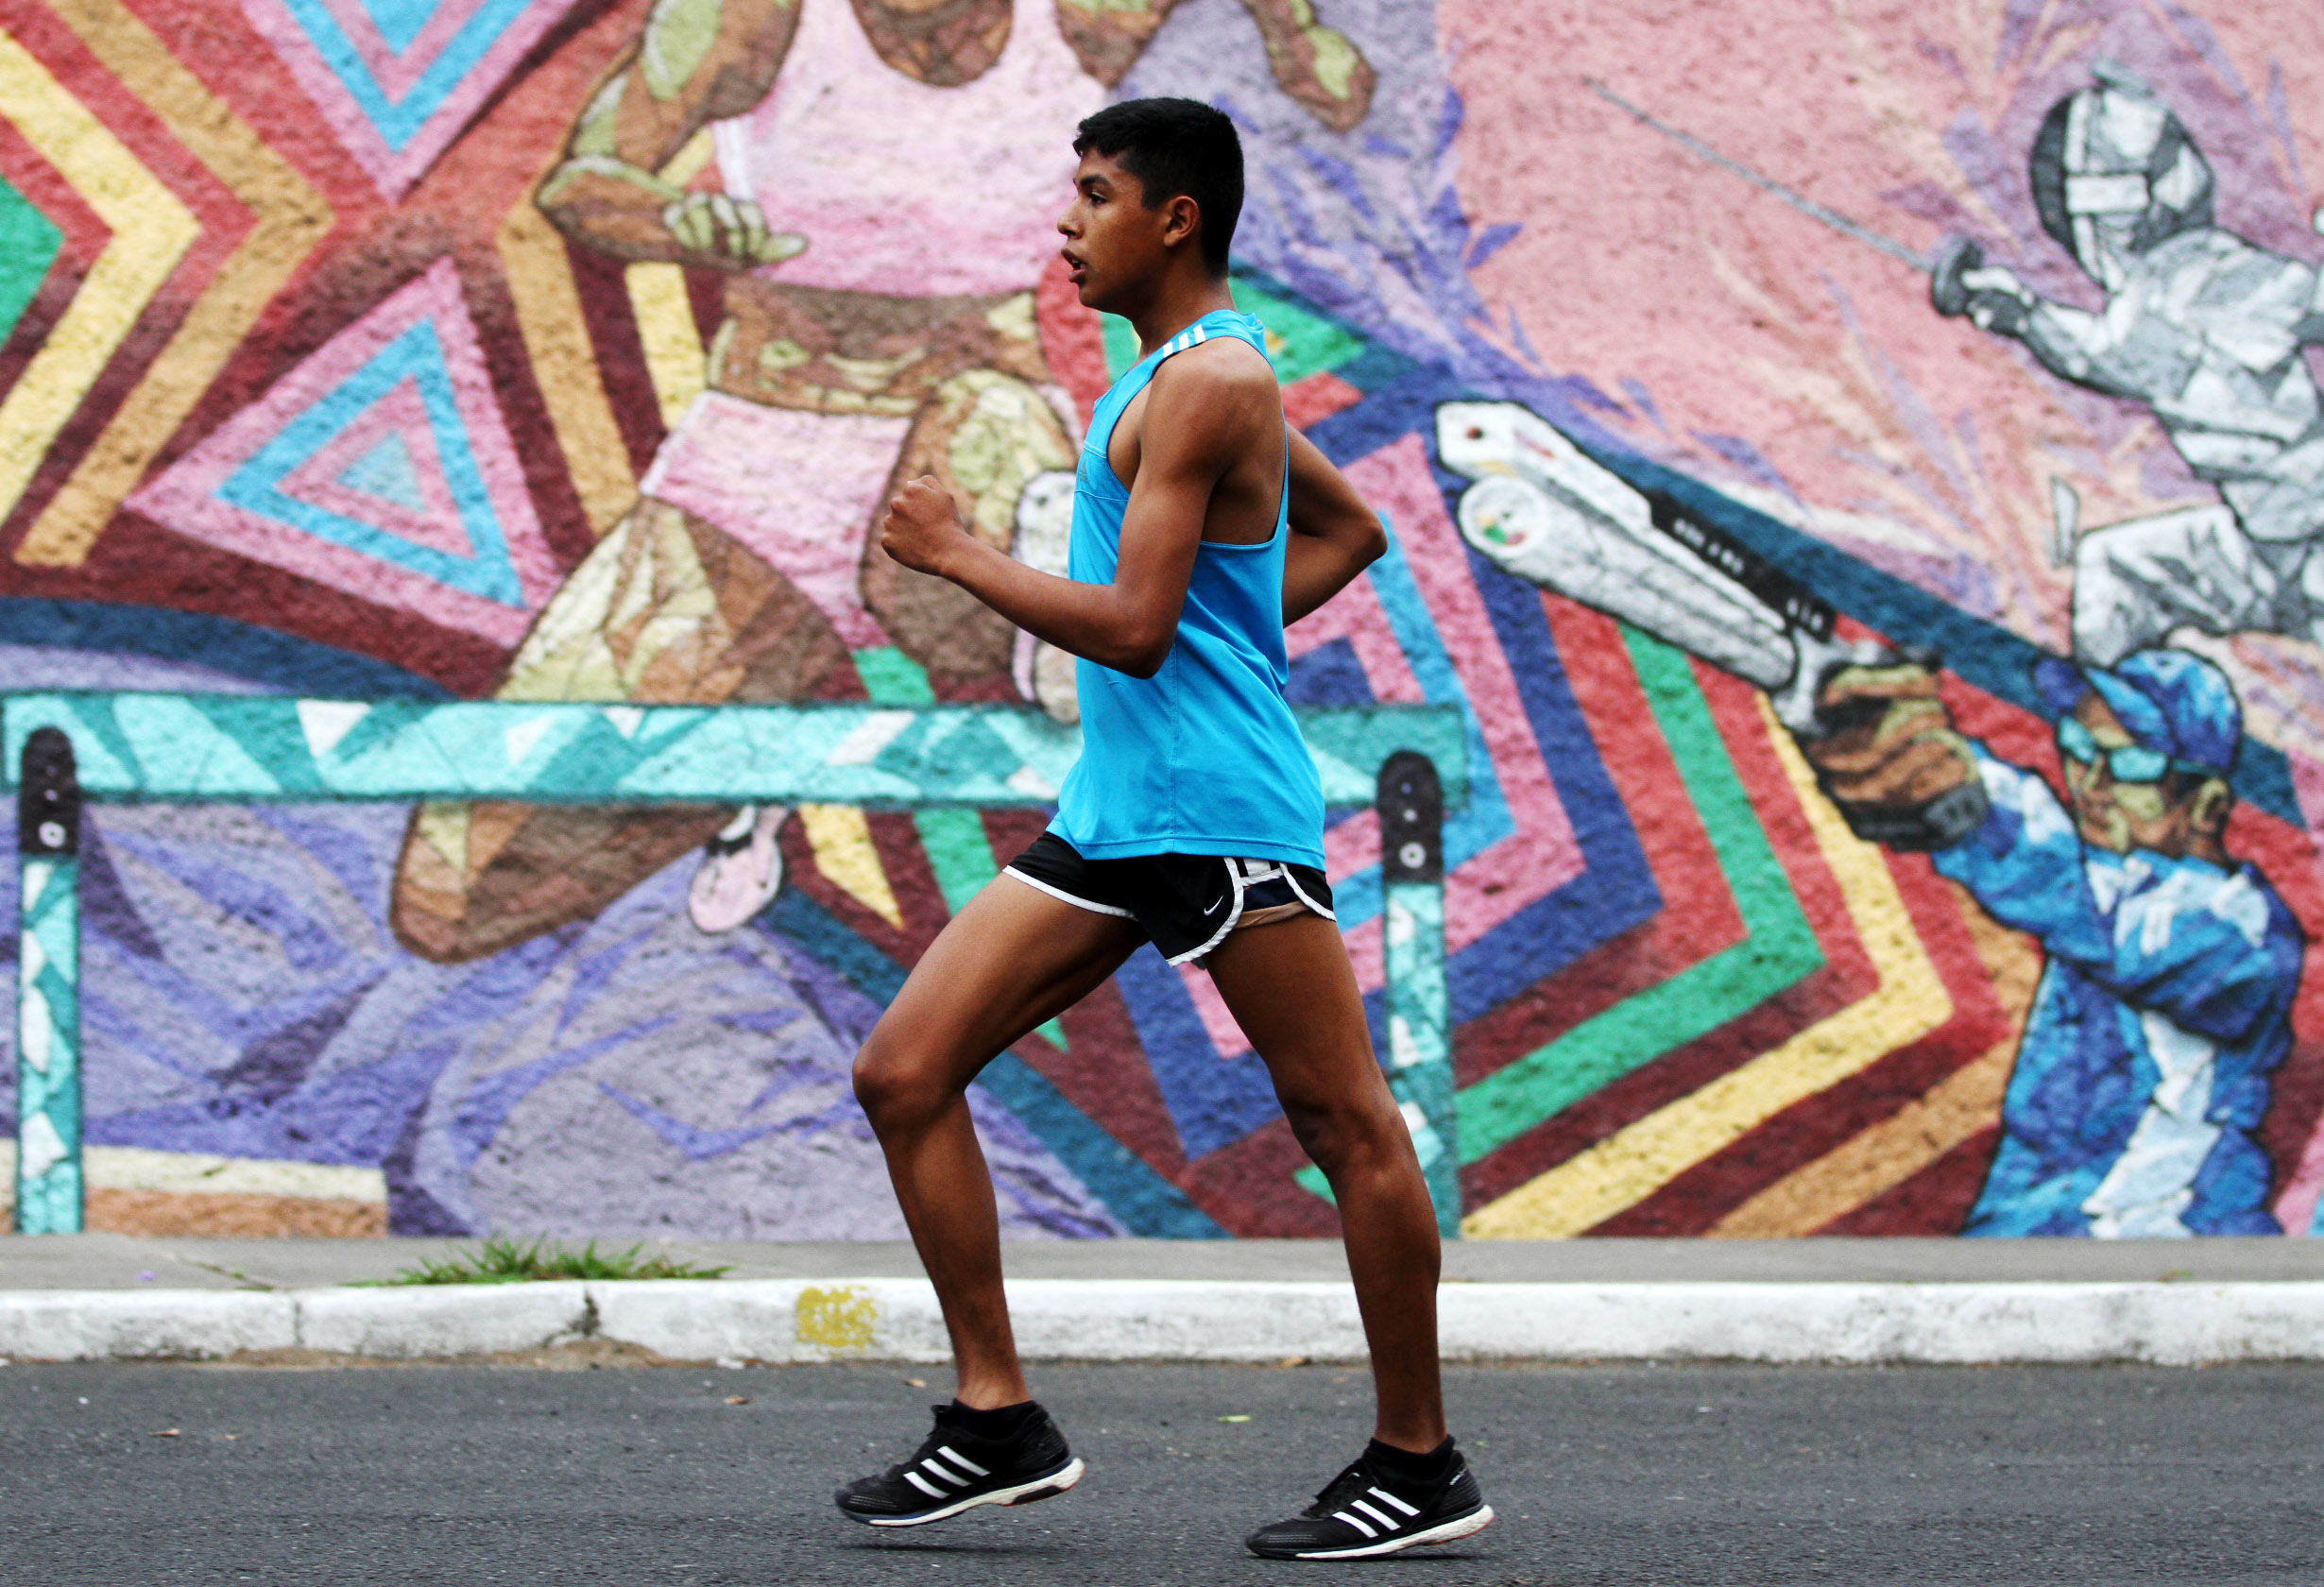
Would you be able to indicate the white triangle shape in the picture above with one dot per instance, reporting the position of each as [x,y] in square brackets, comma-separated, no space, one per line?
[326,722]
[625,719]
[522,738]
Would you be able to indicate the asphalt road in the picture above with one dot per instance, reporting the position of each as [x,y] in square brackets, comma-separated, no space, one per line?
[1712,1475]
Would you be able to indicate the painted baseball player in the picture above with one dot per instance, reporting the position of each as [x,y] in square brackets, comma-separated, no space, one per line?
[2166,1002]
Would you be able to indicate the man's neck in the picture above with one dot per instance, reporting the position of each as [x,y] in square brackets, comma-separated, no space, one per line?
[1176,304]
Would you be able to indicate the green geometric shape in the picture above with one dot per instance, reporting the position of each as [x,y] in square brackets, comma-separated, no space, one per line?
[893,679]
[1120,345]
[29,245]
[1778,948]
[1301,341]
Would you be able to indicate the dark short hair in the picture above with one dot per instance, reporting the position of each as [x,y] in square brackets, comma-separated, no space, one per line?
[1174,146]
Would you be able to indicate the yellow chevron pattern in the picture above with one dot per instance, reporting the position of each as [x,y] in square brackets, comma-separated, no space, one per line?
[151,230]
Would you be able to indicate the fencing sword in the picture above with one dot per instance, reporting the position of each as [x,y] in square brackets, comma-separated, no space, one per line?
[1957,255]
[1821,213]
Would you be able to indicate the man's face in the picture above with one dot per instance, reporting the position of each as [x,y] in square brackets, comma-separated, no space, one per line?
[2116,816]
[1112,240]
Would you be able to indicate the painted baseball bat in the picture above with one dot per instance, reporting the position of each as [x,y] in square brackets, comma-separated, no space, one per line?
[1543,509]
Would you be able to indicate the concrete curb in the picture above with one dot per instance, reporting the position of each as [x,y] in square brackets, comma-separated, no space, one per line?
[1117,1320]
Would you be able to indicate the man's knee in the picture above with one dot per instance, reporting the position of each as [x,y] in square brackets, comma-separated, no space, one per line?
[897,1087]
[1339,1132]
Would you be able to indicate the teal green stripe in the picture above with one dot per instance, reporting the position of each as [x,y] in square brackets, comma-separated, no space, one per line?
[29,245]
[957,852]
[953,840]
[1778,948]
[962,856]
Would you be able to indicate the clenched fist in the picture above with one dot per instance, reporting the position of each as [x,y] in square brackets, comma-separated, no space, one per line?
[923,528]
[1893,744]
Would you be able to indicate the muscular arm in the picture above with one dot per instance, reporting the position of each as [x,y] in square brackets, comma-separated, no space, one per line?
[696,61]
[1314,64]
[1203,416]
[1334,535]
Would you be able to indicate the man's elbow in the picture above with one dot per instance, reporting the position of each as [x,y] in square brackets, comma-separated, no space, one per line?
[1369,538]
[1144,660]
[1139,650]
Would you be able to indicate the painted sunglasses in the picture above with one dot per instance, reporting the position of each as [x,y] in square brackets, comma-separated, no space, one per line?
[2128,763]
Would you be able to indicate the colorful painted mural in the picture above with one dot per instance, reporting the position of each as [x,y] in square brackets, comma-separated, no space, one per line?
[1853,468]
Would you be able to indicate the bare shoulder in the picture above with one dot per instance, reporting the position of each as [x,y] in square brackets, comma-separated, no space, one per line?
[1224,386]
[1221,366]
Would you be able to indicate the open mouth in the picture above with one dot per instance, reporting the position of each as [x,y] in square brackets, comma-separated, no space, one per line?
[1075,266]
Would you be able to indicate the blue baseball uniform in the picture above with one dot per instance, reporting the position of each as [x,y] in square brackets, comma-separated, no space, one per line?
[2165,1006]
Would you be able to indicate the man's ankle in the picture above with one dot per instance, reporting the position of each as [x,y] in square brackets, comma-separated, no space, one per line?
[1417,1467]
[999,1423]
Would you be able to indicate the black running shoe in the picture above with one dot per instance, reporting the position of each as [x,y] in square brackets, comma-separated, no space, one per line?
[1367,1509]
[955,1470]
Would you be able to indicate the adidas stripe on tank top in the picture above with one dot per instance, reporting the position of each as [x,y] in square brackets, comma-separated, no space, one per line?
[1204,757]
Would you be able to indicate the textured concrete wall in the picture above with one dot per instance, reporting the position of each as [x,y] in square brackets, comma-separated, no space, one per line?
[564,350]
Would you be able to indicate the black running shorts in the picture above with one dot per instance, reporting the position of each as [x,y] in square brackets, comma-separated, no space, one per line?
[1185,903]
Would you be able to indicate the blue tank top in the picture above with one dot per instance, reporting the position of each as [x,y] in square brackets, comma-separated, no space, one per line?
[1204,757]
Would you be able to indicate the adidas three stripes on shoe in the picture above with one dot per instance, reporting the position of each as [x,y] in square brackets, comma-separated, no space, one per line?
[1371,1509]
[955,1469]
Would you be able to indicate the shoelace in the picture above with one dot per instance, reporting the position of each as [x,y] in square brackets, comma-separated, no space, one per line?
[928,1446]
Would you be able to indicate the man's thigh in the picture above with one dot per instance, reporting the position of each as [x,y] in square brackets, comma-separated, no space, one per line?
[1013,958]
[1292,989]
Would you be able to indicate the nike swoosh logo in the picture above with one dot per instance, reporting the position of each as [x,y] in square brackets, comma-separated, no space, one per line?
[1216,907]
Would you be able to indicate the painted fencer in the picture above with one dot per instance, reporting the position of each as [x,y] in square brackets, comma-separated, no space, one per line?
[2205,328]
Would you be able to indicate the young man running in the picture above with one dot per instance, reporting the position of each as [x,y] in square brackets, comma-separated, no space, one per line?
[1202,524]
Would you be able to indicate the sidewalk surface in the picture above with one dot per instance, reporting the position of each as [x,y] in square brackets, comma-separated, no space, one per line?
[124,1261]
[97,1297]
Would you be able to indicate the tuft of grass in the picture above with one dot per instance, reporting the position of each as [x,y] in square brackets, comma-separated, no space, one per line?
[503,1260]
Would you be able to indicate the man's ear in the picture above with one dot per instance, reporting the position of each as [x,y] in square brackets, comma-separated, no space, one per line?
[1182,215]
[2207,813]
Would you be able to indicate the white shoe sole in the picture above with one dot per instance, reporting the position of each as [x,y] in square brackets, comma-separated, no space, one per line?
[1461,1526]
[1025,1493]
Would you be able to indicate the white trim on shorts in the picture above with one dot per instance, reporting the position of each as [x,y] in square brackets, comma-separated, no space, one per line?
[1297,891]
[1263,870]
[1234,874]
[1063,896]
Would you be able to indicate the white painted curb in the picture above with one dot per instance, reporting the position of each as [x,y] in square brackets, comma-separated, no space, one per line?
[1127,1319]
[113,1325]
[441,1319]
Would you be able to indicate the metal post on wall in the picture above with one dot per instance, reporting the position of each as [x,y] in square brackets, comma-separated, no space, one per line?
[48,1176]
[1420,1068]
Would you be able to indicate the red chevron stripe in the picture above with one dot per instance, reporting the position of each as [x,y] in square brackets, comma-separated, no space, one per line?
[1846,975]
[1696,1200]
[1935,1200]
[223,224]
[1678,851]
[1240,1184]
[83,237]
